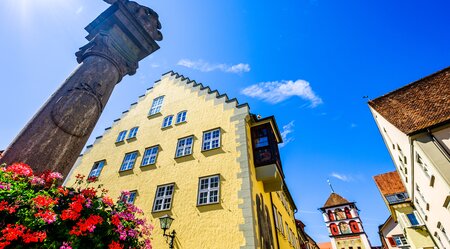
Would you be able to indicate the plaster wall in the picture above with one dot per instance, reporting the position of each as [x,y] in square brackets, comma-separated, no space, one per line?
[228,224]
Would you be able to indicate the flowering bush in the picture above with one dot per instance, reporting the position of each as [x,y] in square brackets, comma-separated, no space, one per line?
[37,213]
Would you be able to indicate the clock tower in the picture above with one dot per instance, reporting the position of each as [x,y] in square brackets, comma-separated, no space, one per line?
[343,223]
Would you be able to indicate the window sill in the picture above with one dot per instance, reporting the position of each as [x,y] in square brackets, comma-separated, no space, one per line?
[120,142]
[208,204]
[183,156]
[126,172]
[217,148]
[147,165]
[160,211]
[166,127]
[131,139]
[154,115]
[180,123]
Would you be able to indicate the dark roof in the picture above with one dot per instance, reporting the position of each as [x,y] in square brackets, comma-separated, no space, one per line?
[422,104]
[389,183]
[335,200]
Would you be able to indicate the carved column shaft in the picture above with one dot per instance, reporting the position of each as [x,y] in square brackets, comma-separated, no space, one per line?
[52,140]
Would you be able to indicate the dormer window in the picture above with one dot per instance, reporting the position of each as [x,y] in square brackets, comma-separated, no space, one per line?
[265,145]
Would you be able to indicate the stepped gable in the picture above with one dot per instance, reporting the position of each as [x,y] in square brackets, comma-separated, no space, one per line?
[182,78]
[218,95]
[389,183]
[419,105]
[335,200]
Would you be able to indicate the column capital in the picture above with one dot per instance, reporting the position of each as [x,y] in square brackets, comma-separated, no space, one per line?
[124,34]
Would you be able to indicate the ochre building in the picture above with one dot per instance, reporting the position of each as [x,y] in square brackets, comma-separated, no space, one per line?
[187,151]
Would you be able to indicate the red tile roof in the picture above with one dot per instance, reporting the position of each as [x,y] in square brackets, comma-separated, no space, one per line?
[389,183]
[335,200]
[325,245]
[419,105]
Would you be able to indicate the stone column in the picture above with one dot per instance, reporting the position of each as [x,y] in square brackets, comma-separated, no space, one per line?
[118,39]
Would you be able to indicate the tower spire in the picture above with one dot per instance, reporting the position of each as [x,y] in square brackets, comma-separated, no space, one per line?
[329,183]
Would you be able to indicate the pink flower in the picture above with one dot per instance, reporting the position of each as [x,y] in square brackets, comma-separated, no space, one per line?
[37,181]
[65,245]
[20,169]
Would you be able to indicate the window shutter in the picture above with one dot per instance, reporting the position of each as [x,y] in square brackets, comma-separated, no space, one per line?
[419,219]
[392,241]
[405,220]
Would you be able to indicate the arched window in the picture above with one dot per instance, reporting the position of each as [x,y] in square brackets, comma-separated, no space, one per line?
[340,215]
[347,213]
[334,229]
[345,228]
[330,215]
[354,226]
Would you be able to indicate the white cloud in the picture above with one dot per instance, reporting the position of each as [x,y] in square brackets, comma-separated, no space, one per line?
[289,128]
[342,177]
[204,66]
[79,10]
[278,91]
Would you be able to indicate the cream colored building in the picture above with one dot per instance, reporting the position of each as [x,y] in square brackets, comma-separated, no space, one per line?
[404,228]
[187,151]
[414,122]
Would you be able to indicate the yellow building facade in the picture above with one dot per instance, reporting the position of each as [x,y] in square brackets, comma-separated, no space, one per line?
[186,151]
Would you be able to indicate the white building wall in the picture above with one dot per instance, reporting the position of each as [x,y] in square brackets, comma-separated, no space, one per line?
[390,229]
[398,146]
[443,136]
[431,192]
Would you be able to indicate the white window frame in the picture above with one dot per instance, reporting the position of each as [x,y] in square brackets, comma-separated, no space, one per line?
[208,190]
[167,121]
[129,199]
[166,198]
[400,238]
[156,105]
[150,155]
[97,169]
[128,163]
[122,135]
[133,132]
[209,141]
[275,215]
[181,117]
[184,149]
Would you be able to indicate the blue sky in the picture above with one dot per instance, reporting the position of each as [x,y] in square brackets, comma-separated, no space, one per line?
[308,62]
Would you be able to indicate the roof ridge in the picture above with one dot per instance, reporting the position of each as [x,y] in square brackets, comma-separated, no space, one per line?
[411,83]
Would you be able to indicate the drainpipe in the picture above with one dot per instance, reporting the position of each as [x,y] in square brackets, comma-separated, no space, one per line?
[273,217]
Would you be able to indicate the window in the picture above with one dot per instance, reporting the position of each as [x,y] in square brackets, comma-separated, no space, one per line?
[275,216]
[150,155]
[97,169]
[396,198]
[262,138]
[286,229]
[167,121]
[413,219]
[400,240]
[156,106]
[208,190]
[423,165]
[280,220]
[128,161]
[128,197]
[133,132]
[184,146]
[163,198]
[211,139]
[121,136]
[181,117]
